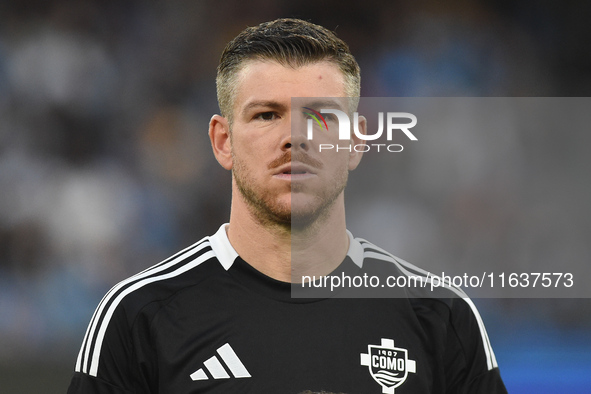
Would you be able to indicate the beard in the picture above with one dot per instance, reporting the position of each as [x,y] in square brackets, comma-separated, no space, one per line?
[303,210]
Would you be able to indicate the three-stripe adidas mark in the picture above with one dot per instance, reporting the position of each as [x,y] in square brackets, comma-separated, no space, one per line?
[217,370]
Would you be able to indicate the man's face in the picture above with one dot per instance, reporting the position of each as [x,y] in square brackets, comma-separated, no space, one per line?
[279,173]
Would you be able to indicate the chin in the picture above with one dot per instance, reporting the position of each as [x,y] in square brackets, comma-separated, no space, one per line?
[304,217]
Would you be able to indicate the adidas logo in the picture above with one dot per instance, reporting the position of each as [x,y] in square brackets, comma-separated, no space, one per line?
[217,370]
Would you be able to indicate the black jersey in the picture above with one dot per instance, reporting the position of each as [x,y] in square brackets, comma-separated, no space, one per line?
[205,321]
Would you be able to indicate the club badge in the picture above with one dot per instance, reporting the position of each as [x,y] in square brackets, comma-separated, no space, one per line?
[388,365]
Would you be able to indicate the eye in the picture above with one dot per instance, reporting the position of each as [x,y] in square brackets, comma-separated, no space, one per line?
[266,116]
[330,117]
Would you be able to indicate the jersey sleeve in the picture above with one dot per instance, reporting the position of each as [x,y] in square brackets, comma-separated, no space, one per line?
[115,354]
[84,383]
[471,364]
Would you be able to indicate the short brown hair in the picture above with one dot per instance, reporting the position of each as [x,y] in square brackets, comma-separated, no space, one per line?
[290,42]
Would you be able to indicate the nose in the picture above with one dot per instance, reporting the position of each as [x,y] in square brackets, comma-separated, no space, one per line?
[297,142]
[296,138]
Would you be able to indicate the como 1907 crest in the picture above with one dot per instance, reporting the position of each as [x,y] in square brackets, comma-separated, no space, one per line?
[389,366]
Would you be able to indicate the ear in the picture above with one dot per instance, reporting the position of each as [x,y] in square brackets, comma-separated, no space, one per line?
[219,135]
[354,156]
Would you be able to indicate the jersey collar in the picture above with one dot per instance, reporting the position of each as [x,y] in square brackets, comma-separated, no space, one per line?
[222,247]
[226,253]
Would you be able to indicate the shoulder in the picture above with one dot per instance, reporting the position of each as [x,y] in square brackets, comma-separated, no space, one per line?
[208,257]
[139,297]
[434,298]
[161,281]
[417,282]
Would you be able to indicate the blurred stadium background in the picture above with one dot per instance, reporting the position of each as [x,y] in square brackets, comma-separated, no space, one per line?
[105,165]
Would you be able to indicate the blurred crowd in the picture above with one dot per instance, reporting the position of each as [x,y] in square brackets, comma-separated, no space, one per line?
[105,165]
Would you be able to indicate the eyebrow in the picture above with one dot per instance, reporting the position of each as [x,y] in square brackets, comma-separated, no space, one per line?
[325,104]
[275,105]
[264,104]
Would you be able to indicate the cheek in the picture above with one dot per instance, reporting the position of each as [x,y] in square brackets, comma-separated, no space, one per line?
[242,148]
[335,162]
[248,160]
[249,142]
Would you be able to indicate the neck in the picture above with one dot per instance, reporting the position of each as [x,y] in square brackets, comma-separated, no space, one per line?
[287,254]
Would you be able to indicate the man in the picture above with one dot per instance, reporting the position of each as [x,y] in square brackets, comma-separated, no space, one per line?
[219,316]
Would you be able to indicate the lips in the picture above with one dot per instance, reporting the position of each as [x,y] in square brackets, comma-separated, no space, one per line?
[295,172]
[295,168]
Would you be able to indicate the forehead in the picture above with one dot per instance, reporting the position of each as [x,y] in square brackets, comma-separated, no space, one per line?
[260,80]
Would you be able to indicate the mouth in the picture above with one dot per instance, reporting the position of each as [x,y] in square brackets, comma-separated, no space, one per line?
[293,171]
